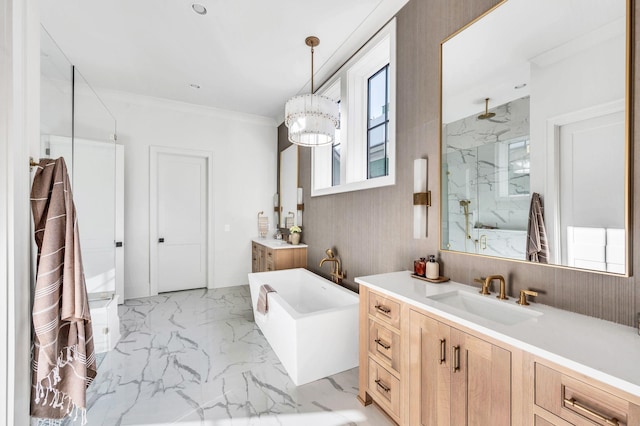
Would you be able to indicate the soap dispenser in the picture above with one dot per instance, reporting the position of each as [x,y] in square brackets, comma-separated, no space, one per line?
[433,268]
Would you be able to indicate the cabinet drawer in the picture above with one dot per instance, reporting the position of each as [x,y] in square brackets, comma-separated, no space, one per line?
[385,344]
[385,309]
[269,254]
[384,387]
[578,402]
[269,265]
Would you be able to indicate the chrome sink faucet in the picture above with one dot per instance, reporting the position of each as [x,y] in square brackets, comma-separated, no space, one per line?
[336,273]
[486,282]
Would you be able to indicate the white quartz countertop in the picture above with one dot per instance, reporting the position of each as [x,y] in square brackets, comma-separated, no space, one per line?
[600,349]
[277,244]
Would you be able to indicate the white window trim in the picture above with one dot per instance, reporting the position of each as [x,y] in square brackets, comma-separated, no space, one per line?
[352,82]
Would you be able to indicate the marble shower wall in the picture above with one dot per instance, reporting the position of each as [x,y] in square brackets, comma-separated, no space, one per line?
[477,164]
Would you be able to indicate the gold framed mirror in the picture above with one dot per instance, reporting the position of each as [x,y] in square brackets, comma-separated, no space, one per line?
[288,187]
[535,99]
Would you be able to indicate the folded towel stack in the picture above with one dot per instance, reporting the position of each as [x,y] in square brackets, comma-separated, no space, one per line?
[263,302]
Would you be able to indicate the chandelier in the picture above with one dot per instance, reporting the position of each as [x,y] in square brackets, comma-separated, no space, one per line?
[311,119]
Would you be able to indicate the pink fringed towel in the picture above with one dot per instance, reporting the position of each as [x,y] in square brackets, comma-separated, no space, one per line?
[64,362]
[263,301]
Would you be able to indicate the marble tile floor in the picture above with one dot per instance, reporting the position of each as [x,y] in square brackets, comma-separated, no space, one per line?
[197,358]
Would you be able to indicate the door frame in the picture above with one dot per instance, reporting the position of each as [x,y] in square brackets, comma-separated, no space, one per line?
[154,153]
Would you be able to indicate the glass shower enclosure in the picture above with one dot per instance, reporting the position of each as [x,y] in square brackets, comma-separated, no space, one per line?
[76,125]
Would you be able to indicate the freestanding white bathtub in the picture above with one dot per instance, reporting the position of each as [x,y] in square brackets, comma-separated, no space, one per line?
[311,325]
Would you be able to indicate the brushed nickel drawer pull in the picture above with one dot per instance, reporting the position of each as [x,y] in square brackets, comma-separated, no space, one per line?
[382,385]
[383,309]
[575,404]
[456,358]
[443,348]
[384,345]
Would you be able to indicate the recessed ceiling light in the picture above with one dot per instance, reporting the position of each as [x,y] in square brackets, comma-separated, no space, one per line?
[195,86]
[520,86]
[199,9]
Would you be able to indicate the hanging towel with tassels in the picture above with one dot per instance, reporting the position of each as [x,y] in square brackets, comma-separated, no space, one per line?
[537,247]
[64,362]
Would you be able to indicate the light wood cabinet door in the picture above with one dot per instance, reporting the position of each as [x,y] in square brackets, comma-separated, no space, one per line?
[455,378]
[430,378]
[257,258]
[480,382]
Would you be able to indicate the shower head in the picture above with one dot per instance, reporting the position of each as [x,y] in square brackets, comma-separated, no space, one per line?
[486,114]
[465,206]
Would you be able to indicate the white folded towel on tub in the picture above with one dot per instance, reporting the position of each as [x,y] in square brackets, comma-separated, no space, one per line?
[263,302]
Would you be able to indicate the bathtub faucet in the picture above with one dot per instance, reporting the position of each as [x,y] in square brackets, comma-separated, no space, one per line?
[336,274]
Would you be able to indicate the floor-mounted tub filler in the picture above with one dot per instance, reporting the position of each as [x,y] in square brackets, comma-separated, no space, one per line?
[311,323]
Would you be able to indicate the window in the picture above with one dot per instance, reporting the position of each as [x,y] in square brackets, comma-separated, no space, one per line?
[513,159]
[362,155]
[377,123]
[519,166]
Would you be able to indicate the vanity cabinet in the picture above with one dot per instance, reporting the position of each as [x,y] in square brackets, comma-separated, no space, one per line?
[563,399]
[456,378]
[424,363]
[422,370]
[382,353]
[265,257]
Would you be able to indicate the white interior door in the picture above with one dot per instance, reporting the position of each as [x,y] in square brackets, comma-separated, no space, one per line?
[592,154]
[181,217]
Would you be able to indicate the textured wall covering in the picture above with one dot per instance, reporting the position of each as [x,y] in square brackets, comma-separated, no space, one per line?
[372,230]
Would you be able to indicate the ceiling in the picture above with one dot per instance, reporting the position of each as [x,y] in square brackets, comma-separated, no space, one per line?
[246,55]
[506,44]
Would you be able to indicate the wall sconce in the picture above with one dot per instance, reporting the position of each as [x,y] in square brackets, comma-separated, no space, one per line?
[421,198]
[300,206]
[276,210]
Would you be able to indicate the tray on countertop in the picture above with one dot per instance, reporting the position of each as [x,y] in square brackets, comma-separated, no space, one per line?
[440,279]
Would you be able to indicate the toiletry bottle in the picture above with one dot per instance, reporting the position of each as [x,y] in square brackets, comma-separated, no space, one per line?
[433,268]
[419,267]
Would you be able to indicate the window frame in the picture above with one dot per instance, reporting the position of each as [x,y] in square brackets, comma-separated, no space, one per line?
[349,85]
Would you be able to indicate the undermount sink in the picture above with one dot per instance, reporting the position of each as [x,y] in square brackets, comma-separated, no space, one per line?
[505,312]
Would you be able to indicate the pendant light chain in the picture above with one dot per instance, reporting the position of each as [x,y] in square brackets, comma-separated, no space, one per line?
[311,69]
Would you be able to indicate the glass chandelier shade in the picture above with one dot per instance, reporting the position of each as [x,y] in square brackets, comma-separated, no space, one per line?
[311,119]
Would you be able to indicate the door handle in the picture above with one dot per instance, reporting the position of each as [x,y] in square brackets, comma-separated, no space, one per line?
[456,358]
[383,344]
[161,240]
[443,355]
